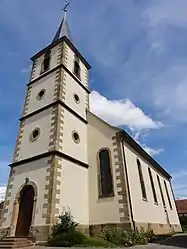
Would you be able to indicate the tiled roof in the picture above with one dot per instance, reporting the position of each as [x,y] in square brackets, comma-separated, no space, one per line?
[181,206]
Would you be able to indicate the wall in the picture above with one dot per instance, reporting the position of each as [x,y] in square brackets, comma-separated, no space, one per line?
[74,191]
[41,145]
[72,87]
[76,150]
[37,172]
[38,62]
[47,83]
[147,211]
[104,210]
[70,65]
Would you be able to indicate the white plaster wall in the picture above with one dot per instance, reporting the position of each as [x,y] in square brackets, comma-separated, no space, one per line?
[70,65]
[74,191]
[41,145]
[48,83]
[105,210]
[53,62]
[72,87]
[143,210]
[71,123]
[36,171]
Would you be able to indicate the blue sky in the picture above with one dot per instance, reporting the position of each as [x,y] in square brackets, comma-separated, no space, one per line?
[138,54]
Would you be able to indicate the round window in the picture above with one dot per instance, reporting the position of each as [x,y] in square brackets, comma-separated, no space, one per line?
[76,137]
[41,94]
[76,98]
[35,134]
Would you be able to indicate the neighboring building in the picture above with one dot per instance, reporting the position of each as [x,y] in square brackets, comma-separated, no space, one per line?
[182,207]
[67,157]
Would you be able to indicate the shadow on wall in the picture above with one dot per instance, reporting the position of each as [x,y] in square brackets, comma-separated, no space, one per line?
[179,240]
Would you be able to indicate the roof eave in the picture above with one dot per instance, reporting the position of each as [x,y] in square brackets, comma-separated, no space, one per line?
[144,154]
[53,44]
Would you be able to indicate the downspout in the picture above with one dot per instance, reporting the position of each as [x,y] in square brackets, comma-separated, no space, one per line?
[174,200]
[128,188]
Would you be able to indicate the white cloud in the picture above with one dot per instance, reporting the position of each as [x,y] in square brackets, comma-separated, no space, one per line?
[2,192]
[153,152]
[121,112]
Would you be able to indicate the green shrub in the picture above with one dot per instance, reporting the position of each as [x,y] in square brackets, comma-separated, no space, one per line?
[64,233]
[150,235]
[69,239]
[127,238]
[114,236]
[65,224]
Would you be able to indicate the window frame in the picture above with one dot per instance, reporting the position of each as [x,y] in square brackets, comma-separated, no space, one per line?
[155,198]
[141,179]
[77,60]
[100,192]
[46,55]
[168,196]
[161,191]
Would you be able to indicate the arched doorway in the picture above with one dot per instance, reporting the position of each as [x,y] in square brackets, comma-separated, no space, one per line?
[25,211]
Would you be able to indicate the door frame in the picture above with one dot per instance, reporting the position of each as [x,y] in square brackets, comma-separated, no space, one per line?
[16,205]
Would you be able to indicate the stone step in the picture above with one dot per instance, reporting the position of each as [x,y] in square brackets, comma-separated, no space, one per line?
[12,242]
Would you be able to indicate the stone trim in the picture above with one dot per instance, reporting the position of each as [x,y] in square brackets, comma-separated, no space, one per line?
[46,154]
[7,197]
[56,130]
[19,141]
[121,180]
[86,77]
[52,196]
[87,102]
[32,75]
[65,54]
[58,102]
[27,99]
[69,43]
[59,90]
[67,70]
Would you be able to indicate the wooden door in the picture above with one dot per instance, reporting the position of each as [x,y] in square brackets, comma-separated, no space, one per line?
[25,211]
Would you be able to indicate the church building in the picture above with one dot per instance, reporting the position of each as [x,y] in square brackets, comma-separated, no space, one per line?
[67,158]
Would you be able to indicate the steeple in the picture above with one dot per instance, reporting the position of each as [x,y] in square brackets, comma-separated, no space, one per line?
[63,29]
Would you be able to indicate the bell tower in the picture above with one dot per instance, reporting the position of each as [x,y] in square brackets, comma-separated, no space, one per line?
[50,165]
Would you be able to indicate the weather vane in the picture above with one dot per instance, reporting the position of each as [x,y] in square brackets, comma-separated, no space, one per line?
[67,3]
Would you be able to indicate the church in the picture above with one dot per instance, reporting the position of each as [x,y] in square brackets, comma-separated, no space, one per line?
[67,158]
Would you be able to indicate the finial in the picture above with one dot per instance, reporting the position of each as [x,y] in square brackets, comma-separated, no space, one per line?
[67,3]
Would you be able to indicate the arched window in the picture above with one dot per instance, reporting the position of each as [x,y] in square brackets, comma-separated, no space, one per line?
[142,183]
[77,69]
[105,175]
[46,62]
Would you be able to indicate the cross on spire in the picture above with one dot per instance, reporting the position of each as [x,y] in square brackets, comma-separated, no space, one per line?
[63,29]
[65,9]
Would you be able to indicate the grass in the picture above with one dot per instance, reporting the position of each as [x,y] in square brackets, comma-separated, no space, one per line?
[95,242]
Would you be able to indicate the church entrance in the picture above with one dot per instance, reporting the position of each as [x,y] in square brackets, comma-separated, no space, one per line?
[25,211]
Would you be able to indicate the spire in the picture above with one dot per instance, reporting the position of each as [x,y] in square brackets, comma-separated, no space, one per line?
[63,29]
